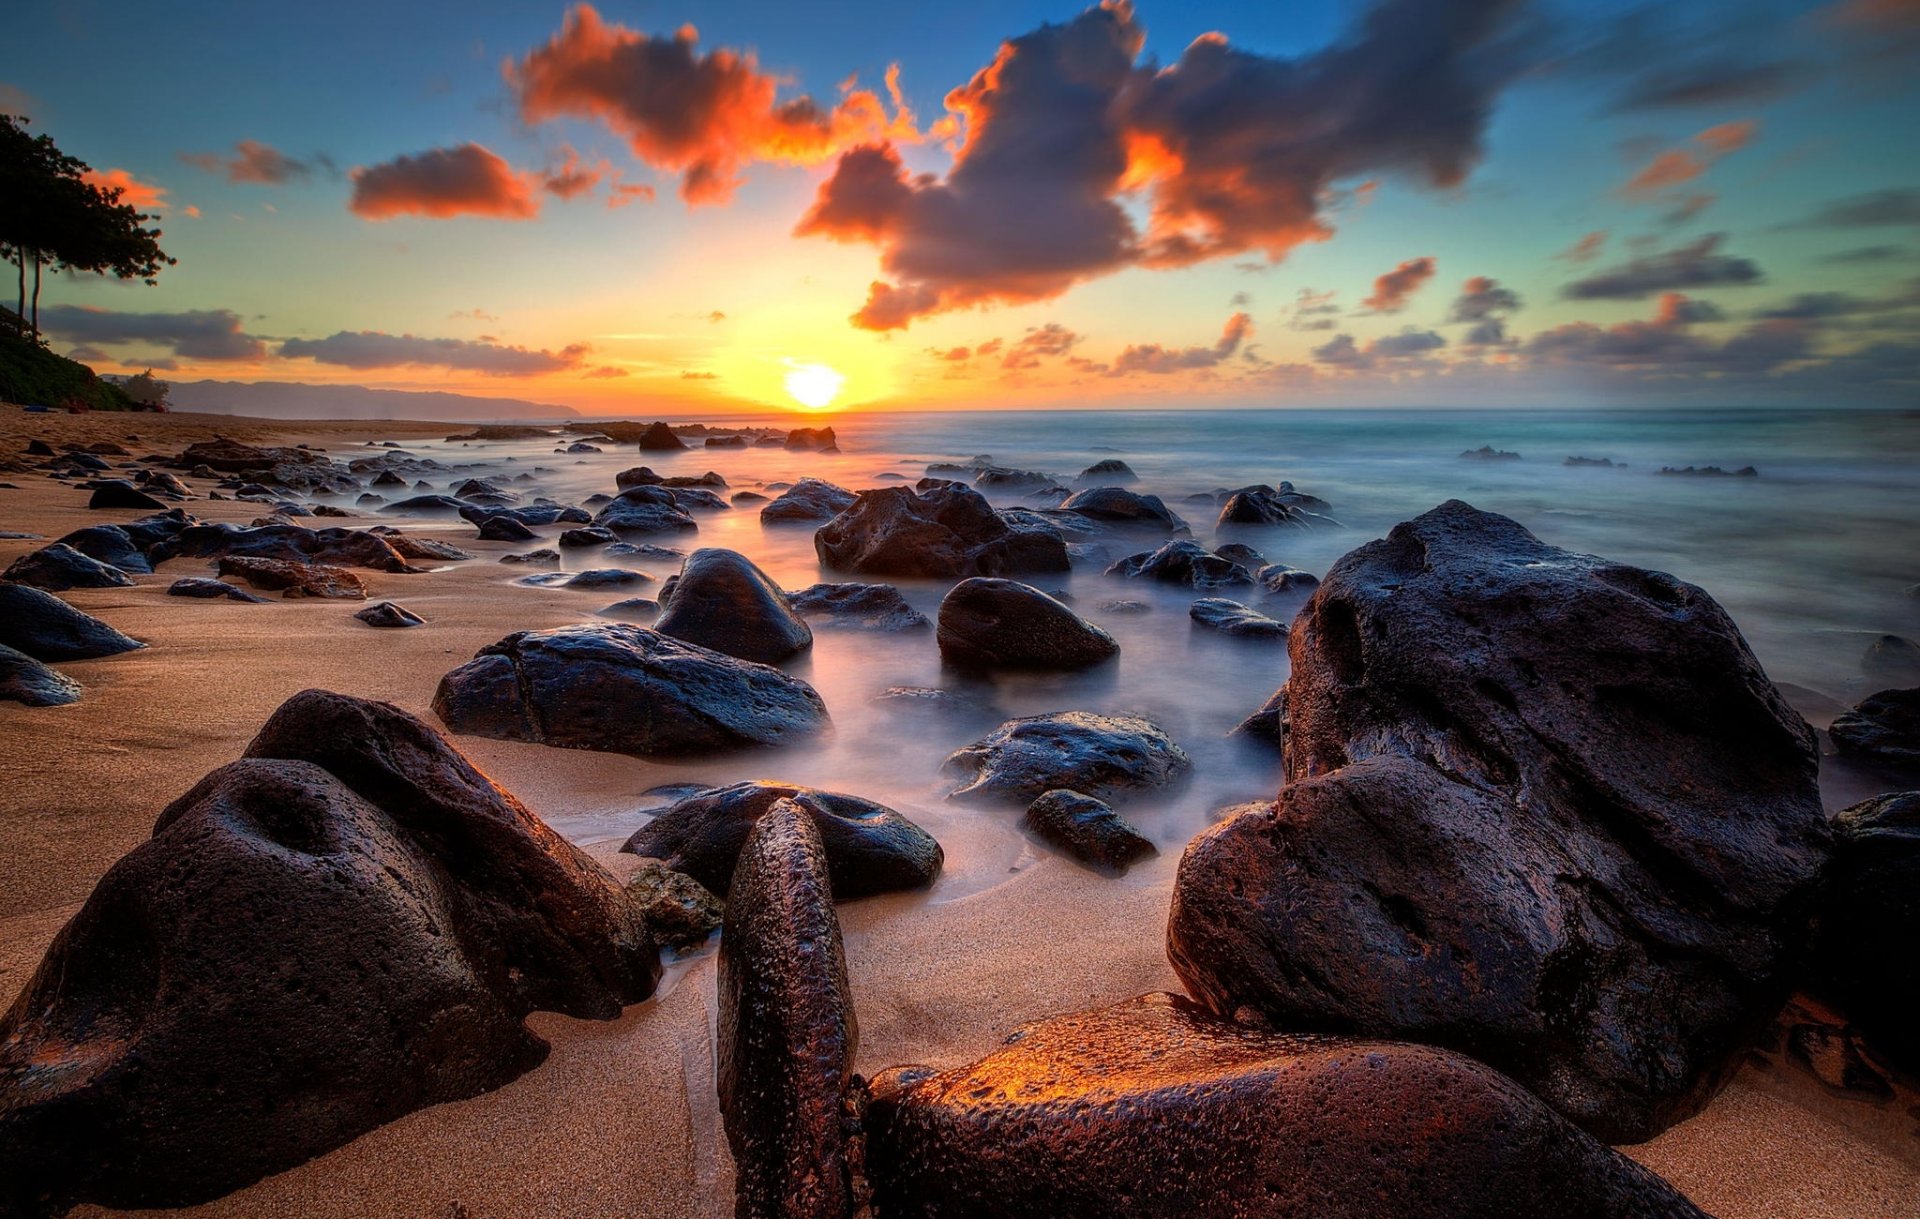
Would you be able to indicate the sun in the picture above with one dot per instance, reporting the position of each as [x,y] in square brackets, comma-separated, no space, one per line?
[813,385]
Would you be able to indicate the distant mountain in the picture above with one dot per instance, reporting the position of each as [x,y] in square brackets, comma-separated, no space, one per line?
[294,400]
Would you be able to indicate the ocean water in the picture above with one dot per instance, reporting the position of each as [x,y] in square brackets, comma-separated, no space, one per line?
[1813,558]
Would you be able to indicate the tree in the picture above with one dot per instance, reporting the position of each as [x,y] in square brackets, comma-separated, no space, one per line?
[146,388]
[50,214]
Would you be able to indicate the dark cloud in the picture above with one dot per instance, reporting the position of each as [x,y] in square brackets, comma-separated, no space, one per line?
[1899,208]
[1392,290]
[1312,310]
[251,161]
[1232,152]
[1697,264]
[1669,56]
[1818,306]
[1870,254]
[1393,352]
[466,180]
[703,116]
[1481,298]
[1490,332]
[1666,345]
[1154,359]
[197,334]
[373,349]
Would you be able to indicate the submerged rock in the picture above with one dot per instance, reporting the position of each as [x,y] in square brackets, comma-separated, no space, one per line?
[659,438]
[1185,563]
[870,847]
[645,509]
[627,690]
[1143,512]
[947,532]
[25,680]
[858,607]
[1539,807]
[1892,660]
[1264,505]
[347,925]
[810,499]
[1869,921]
[59,567]
[503,528]
[1882,730]
[1233,618]
[722,601]
[1153,1107]
[1098,755]
[1110,472]
[991,623]
[1087,829]
[43,626]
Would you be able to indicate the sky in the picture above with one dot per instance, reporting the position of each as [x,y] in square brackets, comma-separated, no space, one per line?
[692,207]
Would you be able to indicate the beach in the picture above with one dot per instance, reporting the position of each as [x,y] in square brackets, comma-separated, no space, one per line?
[622,1119]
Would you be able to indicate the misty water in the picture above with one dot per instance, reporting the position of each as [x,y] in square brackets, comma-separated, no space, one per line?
[1814,558]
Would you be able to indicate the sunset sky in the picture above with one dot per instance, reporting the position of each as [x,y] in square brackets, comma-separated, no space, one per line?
[701,207]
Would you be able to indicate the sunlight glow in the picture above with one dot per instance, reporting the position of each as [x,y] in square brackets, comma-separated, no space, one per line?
[812,385]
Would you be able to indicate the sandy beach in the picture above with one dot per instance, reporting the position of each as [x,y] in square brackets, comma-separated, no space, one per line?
[622,1120]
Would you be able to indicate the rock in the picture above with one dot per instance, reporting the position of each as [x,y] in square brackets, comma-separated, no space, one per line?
[1185,563]
[1099,755]
[591,535]
[1243,554]
[475,488]
[202,587]
[1153,1107]
[858,607]
[645,550]
[1830,1056]
[349,924]
[697,499]
[44,627]
[726,442]
[112,545]
[1125,607]
[991,623]
[637,476]
[1487,452]
[1279,580]
[387,614]
[1264,505]
[633,609]
[1882,730]
[232,457]
[626,690]
[287,543]
[1604,462]
[581,446]
[1868,920]
[543,512]
[748,497]
[607,577]
[682,913]
[645,509]
[1121,507]
[810,499]
[1892,661]
[659,438]
[1000,478]
[119,493]
[292,580]
[58,567]
[1539,806]
[948,532]
[25,680]
[1233,618]
[870,847]
[410,547]
[1708,471]
[1267,725]
[820,439]
[426,505]
[1087,829]
[710,480]
[786,1033]
[387,478]
[723,602]
[504,431]
[505,529]
[934,701]
[1111,472]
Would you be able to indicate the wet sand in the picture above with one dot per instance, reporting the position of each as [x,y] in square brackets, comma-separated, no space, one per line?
[621,1120]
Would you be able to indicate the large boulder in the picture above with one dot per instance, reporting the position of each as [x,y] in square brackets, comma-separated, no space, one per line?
[626,690]
[809,500]
[1183,562]
[1095,755]
[43,626]
[1108,472]
[112,545]
[786,1033]
[1883,730]
[25,680]
[1869,921]
[59,567]
[1233,618]
[870,847]
[991,623]
[1156,1109]
[645,509]
[119,493]
[1126,508]
[292,580]
[349,924]
[947,532]
[1264,505]
[286,543]
[503,528]
[723,602]
[815,439]
[858,607]
[1540,807]
[659,438]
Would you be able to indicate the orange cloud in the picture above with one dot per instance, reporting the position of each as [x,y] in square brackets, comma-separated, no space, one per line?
[141,195]
[467,180]
[703,116]
[1392,290]
[1154,359]
[1679,165]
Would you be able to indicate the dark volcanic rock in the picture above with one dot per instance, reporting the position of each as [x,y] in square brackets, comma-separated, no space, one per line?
[1267,725]
[607,577]
[545,554]
[633,609]
[206,589]
[349,924]
[387,614]
[1264,505]
[948,532]
[626,690]
[645,509]
[682,912]
[1882,730]
[820,439]
[293,580]
[659,438]
[119,493]
[1869,921]
[25,680]
[545,512]
[289,543]
[1183,562]
[503,528]
[786,1031]
[426,505]
[990,623]
[1087,829]
[1539,807]
[1233,618]
[112,545]
[722,601]
[1099,755]
[858,607]
[43,626]
[1121,507]
[1487,452]
[409,547]
[1890,660]
[591,535]
[870,848]
[810,499]
[1155,1108]
[1279,580]
[1111,472]
[59,567]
